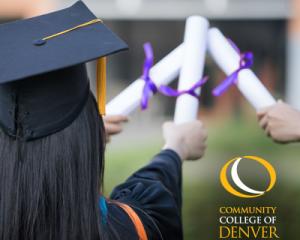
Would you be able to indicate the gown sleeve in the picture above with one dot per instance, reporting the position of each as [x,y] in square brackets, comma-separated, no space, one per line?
[154,192]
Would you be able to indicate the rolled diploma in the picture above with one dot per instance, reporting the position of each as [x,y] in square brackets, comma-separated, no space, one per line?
[228,60]
[163,72]
[195,42]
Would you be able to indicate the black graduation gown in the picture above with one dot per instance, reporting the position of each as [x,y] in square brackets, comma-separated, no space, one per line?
[154,192]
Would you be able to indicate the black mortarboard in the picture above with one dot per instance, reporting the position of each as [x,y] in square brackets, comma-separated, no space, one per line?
[43,78]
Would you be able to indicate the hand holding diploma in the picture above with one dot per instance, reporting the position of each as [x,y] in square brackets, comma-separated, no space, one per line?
[281,122]
[187,139]
[113,125]
[188,60]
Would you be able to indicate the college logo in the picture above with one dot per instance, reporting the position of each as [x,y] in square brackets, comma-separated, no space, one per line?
[242,190]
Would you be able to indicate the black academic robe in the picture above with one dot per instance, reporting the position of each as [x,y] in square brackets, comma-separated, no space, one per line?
[154,192]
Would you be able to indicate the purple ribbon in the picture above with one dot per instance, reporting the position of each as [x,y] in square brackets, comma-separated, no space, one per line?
[246,61]
[150,88]
[170,92]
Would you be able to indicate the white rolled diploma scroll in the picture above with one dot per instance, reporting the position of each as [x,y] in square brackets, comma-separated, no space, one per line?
[163,72]
[195,42]
[228,60]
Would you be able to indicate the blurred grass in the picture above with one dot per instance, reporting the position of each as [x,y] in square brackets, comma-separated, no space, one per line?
[202,193]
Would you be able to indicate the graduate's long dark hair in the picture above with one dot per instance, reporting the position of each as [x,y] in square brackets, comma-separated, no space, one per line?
[49,188]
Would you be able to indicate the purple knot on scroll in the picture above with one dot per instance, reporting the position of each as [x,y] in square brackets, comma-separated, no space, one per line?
[150,88]
[246,62]
[170,92]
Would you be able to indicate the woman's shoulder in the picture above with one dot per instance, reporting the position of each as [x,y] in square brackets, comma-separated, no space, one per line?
[118,224]
[124,221]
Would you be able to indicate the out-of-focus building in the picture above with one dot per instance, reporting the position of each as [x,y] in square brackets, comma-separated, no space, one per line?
[293,54]
[180,9]
[14,9]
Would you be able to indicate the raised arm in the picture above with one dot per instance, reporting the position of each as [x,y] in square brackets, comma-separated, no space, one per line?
[155,190]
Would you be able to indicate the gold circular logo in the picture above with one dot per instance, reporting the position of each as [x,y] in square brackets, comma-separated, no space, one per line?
[247,191]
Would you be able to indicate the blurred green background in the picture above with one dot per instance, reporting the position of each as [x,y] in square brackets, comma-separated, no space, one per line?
[202,191]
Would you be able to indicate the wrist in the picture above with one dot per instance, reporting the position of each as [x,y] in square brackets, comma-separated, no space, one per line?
[176,148]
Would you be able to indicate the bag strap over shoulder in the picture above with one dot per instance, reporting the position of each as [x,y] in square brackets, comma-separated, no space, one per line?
[140,229]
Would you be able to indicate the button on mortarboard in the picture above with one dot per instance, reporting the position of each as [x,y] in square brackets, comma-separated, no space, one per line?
[39,42]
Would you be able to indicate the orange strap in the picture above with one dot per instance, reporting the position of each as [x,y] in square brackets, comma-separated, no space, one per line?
[135,220]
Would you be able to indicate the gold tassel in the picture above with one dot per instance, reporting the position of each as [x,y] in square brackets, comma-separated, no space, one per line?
[101,84]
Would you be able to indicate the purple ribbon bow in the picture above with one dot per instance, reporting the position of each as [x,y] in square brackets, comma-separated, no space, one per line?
[150,88]
[246,61]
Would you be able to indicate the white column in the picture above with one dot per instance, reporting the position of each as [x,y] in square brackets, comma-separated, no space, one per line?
[293,57]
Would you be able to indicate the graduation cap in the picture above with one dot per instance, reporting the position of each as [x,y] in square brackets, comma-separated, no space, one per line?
[43,78]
